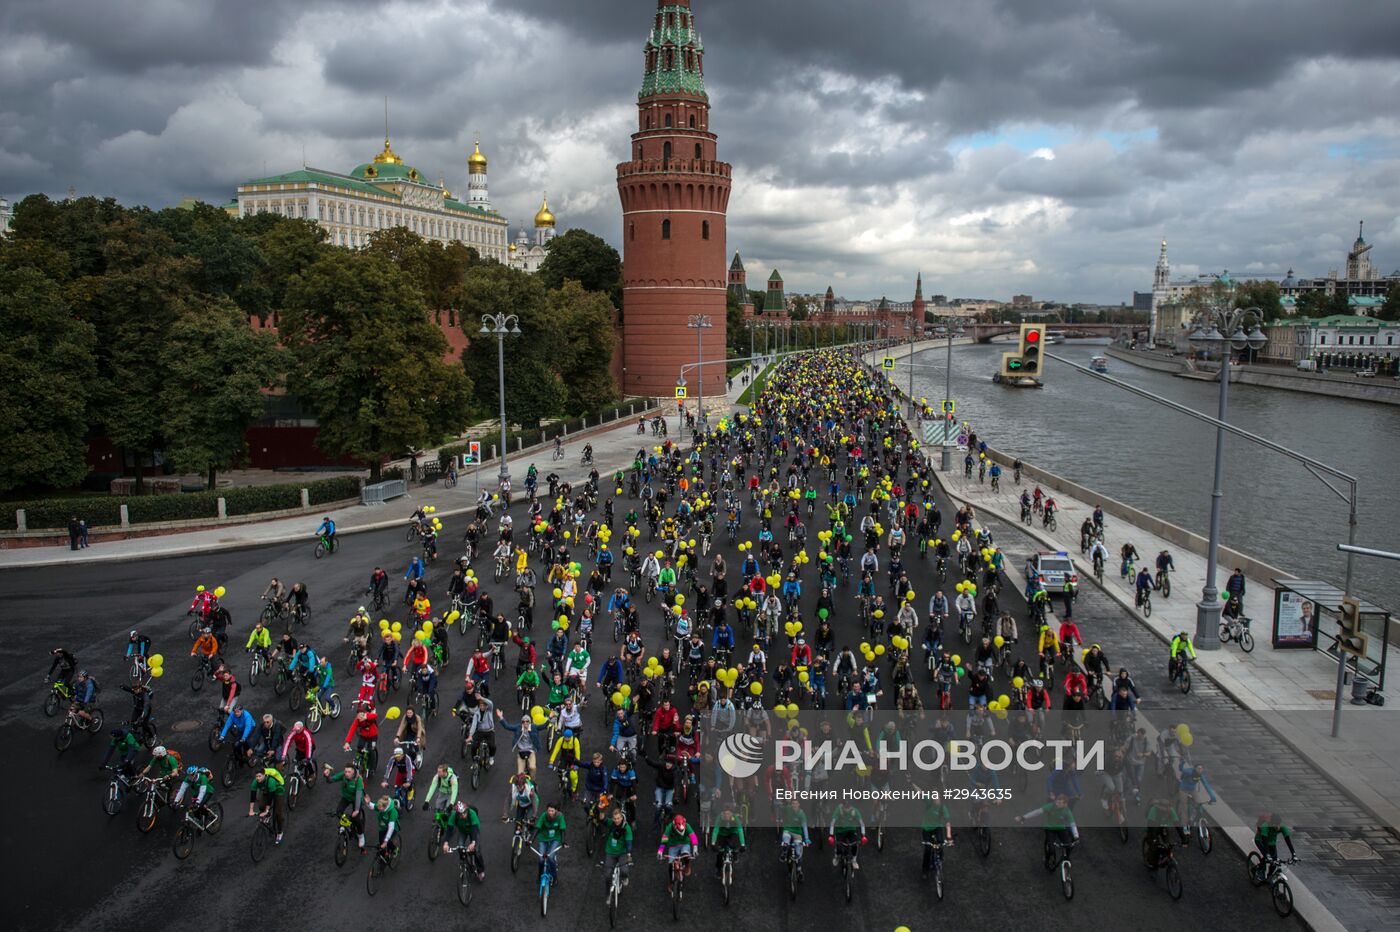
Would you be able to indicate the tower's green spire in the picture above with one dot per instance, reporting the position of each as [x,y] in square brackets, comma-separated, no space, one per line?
[675,54]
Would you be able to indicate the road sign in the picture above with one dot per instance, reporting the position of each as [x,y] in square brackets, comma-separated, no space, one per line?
[962,440]
[948,406]
[680,391]
[473,454]
[938,432]
[889,362]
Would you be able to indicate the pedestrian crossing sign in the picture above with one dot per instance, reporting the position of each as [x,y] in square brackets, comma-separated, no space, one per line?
[889,362]
[680,391]
[948,406]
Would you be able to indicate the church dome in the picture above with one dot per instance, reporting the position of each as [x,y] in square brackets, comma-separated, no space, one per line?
[544,218]
[476,162]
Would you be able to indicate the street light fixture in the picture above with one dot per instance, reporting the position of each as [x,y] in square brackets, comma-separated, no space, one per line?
[699,323]
[1230,320]
[500,325]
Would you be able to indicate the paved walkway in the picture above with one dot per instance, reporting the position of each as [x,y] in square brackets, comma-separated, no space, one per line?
[613,448]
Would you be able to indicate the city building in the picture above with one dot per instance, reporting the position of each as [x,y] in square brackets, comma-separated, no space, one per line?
[527,254]
[383,193]
[1341,340]
[1360,278]
[5,215]
[675,195]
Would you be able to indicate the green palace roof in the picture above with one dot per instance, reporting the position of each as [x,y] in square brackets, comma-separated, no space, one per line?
[359,186]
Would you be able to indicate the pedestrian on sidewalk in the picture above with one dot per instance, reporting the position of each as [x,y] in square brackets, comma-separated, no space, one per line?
[1235,586]
[1070,593]
[82,533]
[74,532]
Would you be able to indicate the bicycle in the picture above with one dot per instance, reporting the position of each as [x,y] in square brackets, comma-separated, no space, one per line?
[1049,522]
[263,837]
[1237,630]
[257,666]
[319,709]
[981,831]
[117,789]
[59,693]
[303,775]
[1057,854]
[1179,673]
[1164,857]
[1270,871]
[205,672]
[324,545]
[615,893]
[384,858]
[481,759]
[467,870]
[935,867]
[1197,827]
[344,835]
[549,866]
[793,864]
[520,840]
[153,796]
[1144,601]
[845,859]
[1164,583]
[1118,809]
[73,722]
[199,820]
[726,874]
[676,867]
[449,480]
[1098,569]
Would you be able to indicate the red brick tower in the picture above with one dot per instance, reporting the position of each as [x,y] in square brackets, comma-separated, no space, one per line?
[917,311]
[674,197]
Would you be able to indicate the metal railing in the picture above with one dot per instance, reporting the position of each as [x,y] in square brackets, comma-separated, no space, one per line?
[381,492]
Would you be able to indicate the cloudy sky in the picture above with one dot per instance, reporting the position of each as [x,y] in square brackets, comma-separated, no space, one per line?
[1001,146]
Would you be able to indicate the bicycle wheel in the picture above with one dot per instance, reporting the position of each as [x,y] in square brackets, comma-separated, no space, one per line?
[613,894]
[727,881]
[280,683]
[342,849]
[1283,897]
[320,551]
[1224,633]
[1052,859]
[1186,681]
[253,673]
[1174,881]
[293,791]
[112,803]
[1246,642]
[517,845]
[676,884]
[183,846]
[1166,587]
[792,880]
[938,879]
[850,881]
[476,773]
[197,681]
[313,717]
[51,701]
[1066,881]
[146,821]
[435,845]
[64,738]
[464,884]
[372,875]
[1204,840]
[544,897]
[259,843]
[1147,608]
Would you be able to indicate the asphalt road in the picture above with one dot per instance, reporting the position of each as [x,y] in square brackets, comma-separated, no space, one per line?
[81,868]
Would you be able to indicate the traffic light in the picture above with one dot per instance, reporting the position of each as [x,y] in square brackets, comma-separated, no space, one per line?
[1026,360]
[1350,638]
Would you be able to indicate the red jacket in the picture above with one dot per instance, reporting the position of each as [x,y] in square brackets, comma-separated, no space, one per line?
[801,655]
[481,663]
[527,651]
[666,720]
[1074,678]
[369,728]
[416,654]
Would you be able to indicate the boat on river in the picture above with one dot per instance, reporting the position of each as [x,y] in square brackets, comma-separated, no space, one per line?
[1099,364]
[1016,381]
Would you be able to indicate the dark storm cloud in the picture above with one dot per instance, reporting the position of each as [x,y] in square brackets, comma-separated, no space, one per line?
[867,139]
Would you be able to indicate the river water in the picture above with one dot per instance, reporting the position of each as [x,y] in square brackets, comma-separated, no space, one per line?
[1161,462]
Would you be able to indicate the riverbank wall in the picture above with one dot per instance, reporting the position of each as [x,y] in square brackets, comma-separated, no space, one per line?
[1386,392]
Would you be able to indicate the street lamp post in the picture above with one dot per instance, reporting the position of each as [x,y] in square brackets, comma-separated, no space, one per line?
[699,323]
[1221,319]
[500,325]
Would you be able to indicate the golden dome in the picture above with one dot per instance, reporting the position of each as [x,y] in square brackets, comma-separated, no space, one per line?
[544,218]
[388,156]
[476,162]
[513,247]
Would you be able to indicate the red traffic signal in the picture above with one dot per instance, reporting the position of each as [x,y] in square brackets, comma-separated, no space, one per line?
[1032,336]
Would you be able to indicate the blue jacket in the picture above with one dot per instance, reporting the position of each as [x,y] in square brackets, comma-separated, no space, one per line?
[327,527]
[415,569]
[243,722]
[612,669]
[1063,781]
[306,661]
[727,641]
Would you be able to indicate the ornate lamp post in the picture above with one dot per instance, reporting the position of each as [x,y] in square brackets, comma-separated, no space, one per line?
[500,325]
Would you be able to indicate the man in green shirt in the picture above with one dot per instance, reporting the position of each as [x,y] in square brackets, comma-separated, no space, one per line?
[549,832]
[1059,820]
[1266,835]
[202,779]
[848,829]
[464,819]
[165,764]
[125,745]
[937,828]
[352,796]
[727,832]
[1161,816]
[270,788]
[387,816]
[792,824]
[617,845]
[446,780]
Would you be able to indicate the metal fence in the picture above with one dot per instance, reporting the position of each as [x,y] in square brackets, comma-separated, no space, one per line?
[381,492]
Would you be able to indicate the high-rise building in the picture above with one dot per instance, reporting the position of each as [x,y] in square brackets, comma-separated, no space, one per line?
[674,196]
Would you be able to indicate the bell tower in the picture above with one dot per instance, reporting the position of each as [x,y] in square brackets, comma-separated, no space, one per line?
[674,196]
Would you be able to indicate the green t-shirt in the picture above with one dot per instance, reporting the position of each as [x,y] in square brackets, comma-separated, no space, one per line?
[350,789]
[274,785]
[727,828]
[547,829]
[847,819]
[936,816]
[387,816]
[465,822]
[617,841]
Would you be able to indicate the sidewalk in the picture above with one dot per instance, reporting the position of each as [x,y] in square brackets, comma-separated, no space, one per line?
[1292,689]
[613,449]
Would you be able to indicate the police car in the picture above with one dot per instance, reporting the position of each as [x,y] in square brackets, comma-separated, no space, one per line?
[1053,569]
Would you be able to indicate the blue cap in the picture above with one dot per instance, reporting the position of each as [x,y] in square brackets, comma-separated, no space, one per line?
[568,732]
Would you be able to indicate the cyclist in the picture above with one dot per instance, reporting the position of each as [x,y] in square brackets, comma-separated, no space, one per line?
[678,840]
[125,741]
[937,828]
[202,779]
[793,832]
[1059,820]
[352,797]
[483,728]
[1191,777]
[520,799]
[378,584]
[1266,835]
[727,833]
[270,788]
[1181,645]
[400,771]
[1098,553]
[549,832]
[64,664]
[444,779]
[1143,586]
[464,819]
[165,763]
[564,757]
[138,647]
[364,731]
[327,533]
[387,816]
[1156,840]
[302,745]
[617,845]
[1127,555]
[847,829]
[260,640]
[268,742]
[1165,565]
[242,724]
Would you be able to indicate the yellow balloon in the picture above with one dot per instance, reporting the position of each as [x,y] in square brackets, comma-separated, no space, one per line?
[1018,682]
[558,593]
[452,616]
[157,672]
[393,713]
[219,592]
[680,599]
[428,627]
[1189,740]
[957,661]
[396,627]
[618,698]
[756,687]
[383,624]
[660,554]
[566,535]
[879,650]
[998,640]
[803,677]
[1003,700]
[625,689]
[156,660]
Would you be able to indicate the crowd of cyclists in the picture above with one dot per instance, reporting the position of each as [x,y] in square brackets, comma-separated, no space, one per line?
[605,640]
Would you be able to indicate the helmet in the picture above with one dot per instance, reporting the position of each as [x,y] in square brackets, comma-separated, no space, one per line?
[298,726]
[192,769]
[462,806]
[568,732]
[158,751]
[132,635]
[198,588]
[398,752]
[362,610]
[1037,683]
[238,710]
[82,674]
[678,821]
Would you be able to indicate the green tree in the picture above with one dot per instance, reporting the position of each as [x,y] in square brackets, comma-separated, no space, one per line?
[437,269]
[799,309]
[1261,294]
[228,259]
[534,389]
[584,258]
[1318,303]
[218,367]
[586,367]
[368,360]
[1391,309]
[47,365]
[288,247]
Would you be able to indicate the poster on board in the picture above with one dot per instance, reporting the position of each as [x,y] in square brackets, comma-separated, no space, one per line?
[1295,620]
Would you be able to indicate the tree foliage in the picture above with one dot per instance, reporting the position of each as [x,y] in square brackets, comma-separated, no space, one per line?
[1391,309]
[534,385]
[581,257]
[1321,304]
[1261,294]
[585,366]
[367,359]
